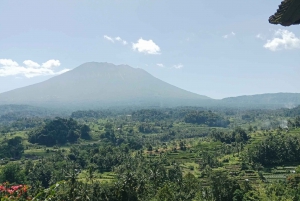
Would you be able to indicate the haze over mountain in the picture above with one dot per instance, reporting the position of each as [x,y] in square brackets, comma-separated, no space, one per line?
[99,85]
[270,100]
[102,84]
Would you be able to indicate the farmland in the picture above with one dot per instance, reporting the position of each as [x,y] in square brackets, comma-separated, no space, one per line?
[153,150]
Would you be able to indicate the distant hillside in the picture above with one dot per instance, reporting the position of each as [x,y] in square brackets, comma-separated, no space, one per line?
[276,100]
[14,112]
[4,109]
[100,85]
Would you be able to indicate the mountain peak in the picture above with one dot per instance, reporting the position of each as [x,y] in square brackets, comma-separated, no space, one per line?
[102,84]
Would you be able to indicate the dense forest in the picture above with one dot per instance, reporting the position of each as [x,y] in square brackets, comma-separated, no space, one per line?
[161,154]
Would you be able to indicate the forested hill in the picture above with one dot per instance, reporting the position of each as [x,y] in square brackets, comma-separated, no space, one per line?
[102,84]
[21,111]
[25,113]
[275,100]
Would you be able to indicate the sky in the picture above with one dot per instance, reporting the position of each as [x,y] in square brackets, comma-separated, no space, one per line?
[214,48]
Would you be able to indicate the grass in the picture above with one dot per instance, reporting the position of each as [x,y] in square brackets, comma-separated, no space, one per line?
[191,167]
[97,177]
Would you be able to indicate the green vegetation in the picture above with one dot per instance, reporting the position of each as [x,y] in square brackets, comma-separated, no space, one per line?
[215,154]
[58,132]
[207,118]
[276,149]
[11,148]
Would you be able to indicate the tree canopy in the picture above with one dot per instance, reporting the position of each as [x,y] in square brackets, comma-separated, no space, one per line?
[59,131]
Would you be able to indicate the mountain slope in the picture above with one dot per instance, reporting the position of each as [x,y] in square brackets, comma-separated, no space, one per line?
[102,84]
[274,100]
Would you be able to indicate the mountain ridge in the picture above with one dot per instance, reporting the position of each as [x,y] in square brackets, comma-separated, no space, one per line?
[281,99]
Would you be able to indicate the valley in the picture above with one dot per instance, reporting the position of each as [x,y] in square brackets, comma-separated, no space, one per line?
[143,152]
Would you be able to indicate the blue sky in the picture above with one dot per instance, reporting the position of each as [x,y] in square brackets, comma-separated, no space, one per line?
[214,48]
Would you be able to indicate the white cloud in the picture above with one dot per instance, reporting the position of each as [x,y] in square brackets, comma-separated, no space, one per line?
[8,62]
[260,36]
[178,66]
[232,34]
[108,38]
[31,69]
[111,39]
[51,63]
[124,42]
[146,46]
[31,64]
[160,65]
[283,39]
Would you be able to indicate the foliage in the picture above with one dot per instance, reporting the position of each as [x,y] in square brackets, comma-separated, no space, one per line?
[12,148]
[206,117]
[149,115]
[276,149]
[237,135]
[91,114]
[147,128]
[59,131]
[12,173]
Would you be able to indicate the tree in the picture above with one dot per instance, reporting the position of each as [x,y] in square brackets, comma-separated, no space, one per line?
[175,174]
[149,148]
[165,194]
[12,148]
[297,121]
[12,173]
[251,196]
[191,185]
[207,118]
[85,132]
[222,186]
[58,131]
[182,146]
